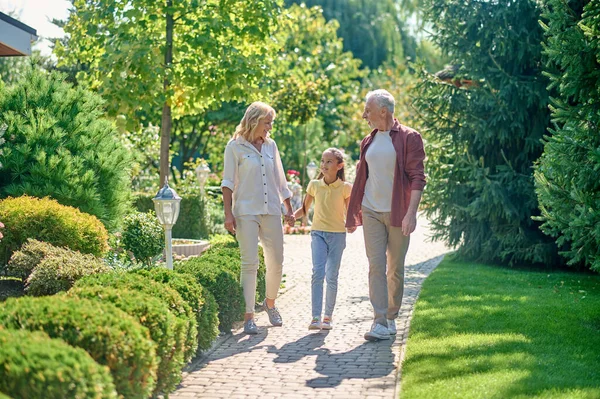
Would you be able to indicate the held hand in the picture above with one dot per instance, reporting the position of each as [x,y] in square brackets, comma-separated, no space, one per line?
[230,224]
[351,229]
[409,223]
[290,219]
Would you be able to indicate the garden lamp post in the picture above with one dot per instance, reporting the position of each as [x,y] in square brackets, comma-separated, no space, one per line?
[311,170]
[166,204]
[202,172]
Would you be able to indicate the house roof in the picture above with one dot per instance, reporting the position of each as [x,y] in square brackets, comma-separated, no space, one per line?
[15,37]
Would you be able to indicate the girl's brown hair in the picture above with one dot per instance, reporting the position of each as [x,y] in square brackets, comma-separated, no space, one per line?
[339,156]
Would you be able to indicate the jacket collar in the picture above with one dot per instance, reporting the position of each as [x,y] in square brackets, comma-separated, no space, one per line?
[395,128]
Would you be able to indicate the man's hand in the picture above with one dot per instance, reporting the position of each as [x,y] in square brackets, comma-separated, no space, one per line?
[290,219]
[409,224]
[230,224]
[351,229]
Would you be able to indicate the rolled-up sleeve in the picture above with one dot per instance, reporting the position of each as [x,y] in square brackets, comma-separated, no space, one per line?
[284,191]
[230,167]
[415,162]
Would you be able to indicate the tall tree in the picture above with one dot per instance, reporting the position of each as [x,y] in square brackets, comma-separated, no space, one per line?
[567,174]
[178,56]
[484,122]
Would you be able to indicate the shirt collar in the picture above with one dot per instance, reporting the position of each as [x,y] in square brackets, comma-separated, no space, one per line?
[335,184]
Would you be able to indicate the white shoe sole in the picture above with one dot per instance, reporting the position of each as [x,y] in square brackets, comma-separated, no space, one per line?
[375,337]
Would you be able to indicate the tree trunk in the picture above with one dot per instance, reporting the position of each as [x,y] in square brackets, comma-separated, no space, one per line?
[165,127]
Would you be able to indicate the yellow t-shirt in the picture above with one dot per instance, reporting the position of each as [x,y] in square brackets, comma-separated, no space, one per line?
[330,204]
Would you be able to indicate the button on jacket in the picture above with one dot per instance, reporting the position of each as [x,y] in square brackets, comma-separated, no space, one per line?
[256,178]
[409,174]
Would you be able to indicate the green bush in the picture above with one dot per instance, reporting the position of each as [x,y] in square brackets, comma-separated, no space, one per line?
[46,220]
[225,246]
[566,176]
[143,236]
[222,283]
[60,144]
[192,220]
[23,261]
[34,366]
[109,335]
[186,319]
[153,314]
[56,273]
[200,299]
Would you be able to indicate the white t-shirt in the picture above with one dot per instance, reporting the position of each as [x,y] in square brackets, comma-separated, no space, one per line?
[381,158]
[256,178]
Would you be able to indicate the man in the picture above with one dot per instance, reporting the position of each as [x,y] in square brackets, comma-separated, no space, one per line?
[385,197]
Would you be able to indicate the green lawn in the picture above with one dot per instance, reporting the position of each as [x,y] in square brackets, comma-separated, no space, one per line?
[493,332]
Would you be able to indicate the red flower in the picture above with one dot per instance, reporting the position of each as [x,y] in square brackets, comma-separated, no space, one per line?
[293,172]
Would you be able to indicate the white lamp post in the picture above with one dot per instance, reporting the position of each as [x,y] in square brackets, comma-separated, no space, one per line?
[202,172]
[166,204]
[311,170]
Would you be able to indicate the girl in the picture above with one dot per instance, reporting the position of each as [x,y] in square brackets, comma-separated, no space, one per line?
[331,195]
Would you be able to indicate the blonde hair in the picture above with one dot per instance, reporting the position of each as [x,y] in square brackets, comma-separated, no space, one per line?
[256,112]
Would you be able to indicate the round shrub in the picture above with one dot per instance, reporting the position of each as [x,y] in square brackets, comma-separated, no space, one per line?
[47,220]
[60,144]
[186,326]
[222,283]
[143,236]
[109,335]
[153,314]
[35,366]
[200,299]
[23,261]
[58,272]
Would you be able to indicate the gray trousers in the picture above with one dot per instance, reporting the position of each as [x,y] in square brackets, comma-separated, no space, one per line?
[386,249]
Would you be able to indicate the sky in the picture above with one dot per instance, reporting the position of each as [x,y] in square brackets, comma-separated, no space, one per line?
[38,14]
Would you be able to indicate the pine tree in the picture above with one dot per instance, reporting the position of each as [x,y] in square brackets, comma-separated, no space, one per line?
[59,144]
[485,117]
[566,177]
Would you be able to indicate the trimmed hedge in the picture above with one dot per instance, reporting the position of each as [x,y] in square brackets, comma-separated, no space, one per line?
[109,335]
[200,299]
[222,283]
[35,366]
[187,324]
[23,261]
[47,220]
[56,273]
[193,225]
[143,236]
[153,314]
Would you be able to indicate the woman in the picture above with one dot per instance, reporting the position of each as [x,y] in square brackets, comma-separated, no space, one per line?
[254,186]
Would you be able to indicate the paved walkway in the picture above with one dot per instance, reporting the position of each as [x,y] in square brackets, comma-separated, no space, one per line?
[290,361]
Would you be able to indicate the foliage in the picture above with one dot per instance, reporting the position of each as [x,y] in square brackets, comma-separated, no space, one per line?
[58,273]
[484,130]
[109,335]
[143,236]
[153,314]
[34,366]
[47,220]
[200,300]
[192,219]
[222,283]
[511,333]
[186,320]
[11,287]
[29,256]
[372,30]
[566,176]
[60,145]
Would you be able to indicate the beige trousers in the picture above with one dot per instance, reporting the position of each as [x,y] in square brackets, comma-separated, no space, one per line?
[249,228]
[386,249]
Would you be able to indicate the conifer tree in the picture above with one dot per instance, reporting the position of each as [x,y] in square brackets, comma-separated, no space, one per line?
[58,144]
[485,118]
[566,177]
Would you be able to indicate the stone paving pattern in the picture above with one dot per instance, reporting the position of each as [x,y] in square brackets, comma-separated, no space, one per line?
[293,362]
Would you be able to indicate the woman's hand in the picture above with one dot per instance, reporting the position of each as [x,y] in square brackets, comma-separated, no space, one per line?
[230,224]
[289,218]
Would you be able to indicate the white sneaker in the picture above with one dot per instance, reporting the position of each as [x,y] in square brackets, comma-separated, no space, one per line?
[377,332]
[392,327]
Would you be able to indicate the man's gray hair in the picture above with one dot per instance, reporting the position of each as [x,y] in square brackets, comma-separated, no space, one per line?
[382,98]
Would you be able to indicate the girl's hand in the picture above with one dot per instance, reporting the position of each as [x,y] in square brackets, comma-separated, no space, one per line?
[290,219]
[351,229]
[230,224]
